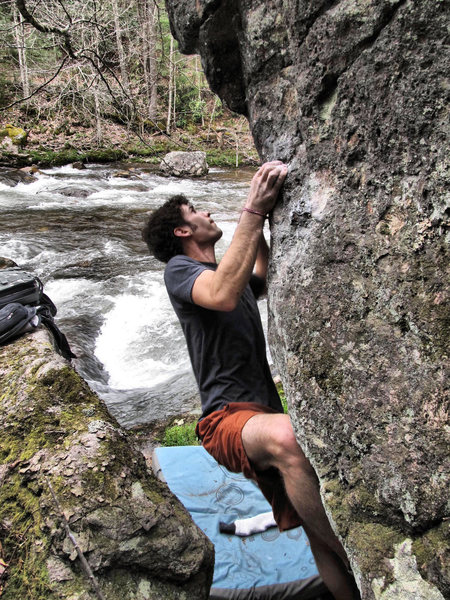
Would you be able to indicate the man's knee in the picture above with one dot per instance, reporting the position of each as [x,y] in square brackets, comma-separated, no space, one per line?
[285,447]
[269,440]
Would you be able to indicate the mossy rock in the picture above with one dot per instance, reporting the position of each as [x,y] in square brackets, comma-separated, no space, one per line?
[17,135]
[65,462]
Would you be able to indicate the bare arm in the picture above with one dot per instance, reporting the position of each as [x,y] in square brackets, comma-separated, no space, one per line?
[221,289]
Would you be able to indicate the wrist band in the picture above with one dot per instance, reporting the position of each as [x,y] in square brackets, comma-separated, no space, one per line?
[255,212]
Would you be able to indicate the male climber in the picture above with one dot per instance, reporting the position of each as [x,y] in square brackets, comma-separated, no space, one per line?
[242,425]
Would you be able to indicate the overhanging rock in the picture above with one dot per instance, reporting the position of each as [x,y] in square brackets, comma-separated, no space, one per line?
[354,96]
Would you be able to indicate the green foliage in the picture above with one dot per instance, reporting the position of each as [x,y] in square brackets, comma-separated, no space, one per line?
[221,158]
[180,435]
[197,108]
[282,396]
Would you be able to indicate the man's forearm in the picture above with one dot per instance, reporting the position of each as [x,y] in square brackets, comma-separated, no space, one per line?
[236,266]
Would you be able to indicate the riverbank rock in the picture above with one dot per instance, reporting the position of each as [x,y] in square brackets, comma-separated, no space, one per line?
[184,164]
[69,472]
[12,138]
[353,96]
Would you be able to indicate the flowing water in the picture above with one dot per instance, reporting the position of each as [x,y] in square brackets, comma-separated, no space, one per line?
[111,300]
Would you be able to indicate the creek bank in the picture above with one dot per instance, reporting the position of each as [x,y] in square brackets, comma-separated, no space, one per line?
[227,144]
[66,462]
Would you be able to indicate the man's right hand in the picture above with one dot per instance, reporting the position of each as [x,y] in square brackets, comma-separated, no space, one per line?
[265,186]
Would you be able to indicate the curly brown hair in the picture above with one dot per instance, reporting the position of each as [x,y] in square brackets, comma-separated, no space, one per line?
[158,232]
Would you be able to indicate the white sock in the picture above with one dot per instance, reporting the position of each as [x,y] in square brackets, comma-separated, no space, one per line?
[244,527]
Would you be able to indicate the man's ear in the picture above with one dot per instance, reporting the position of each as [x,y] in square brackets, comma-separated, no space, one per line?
[182,231]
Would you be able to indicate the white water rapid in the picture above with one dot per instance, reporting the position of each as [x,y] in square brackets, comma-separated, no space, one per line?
[80,231]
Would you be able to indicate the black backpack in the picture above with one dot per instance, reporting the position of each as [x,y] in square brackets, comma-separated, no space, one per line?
[24,306]
[16,319]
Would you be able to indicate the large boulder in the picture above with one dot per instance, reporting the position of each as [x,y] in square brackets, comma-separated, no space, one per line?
[184,164]
[354,96]
[81,517]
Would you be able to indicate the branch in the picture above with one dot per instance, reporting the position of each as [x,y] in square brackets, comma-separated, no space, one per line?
[64,33]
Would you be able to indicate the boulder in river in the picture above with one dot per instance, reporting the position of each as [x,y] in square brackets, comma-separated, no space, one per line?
[79,509]
[73,192]
[354,97]
[11,177]
[184,164]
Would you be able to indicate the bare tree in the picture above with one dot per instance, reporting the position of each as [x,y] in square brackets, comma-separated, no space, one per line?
[148,13]
[171,100]
[19,30]
[103,59]
[120,50]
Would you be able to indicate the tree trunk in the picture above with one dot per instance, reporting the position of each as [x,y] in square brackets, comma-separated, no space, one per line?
[171,88]
[147,16]
[120,50]
[19,30]
[152,63]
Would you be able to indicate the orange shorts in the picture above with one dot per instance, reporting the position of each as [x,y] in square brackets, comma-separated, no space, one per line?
[220,433]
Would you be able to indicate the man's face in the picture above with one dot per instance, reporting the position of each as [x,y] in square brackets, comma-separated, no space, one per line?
[204,229]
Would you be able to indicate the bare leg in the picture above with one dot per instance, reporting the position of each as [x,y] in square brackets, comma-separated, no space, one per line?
[269,440]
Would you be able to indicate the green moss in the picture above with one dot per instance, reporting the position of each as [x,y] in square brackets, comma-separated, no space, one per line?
[28,580]
[36,425]
[24,544]
[433,545]
[372,543]
[353,511]
[16,134]
[152,153]
[50,158]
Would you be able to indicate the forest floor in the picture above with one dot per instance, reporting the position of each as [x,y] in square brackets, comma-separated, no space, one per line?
[61,140]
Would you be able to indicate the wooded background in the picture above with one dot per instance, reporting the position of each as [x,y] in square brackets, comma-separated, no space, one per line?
[94,61]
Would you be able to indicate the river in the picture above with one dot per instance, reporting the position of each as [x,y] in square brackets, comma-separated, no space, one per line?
[111,300]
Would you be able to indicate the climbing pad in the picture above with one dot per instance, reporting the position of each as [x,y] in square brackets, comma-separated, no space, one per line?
[263,566]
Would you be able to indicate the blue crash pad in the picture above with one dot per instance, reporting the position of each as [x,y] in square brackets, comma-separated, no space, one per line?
[266,565]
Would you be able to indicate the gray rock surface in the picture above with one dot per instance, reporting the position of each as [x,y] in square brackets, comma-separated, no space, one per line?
[184,164]
[354,96]
[69,472]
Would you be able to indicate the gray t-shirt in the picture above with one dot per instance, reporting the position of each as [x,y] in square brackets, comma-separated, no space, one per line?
[227,349]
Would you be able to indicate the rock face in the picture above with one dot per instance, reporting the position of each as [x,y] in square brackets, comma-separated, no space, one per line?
[184,164]
[353,96]
[69,472]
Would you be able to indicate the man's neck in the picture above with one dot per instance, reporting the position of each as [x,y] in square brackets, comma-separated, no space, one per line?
[202,254]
